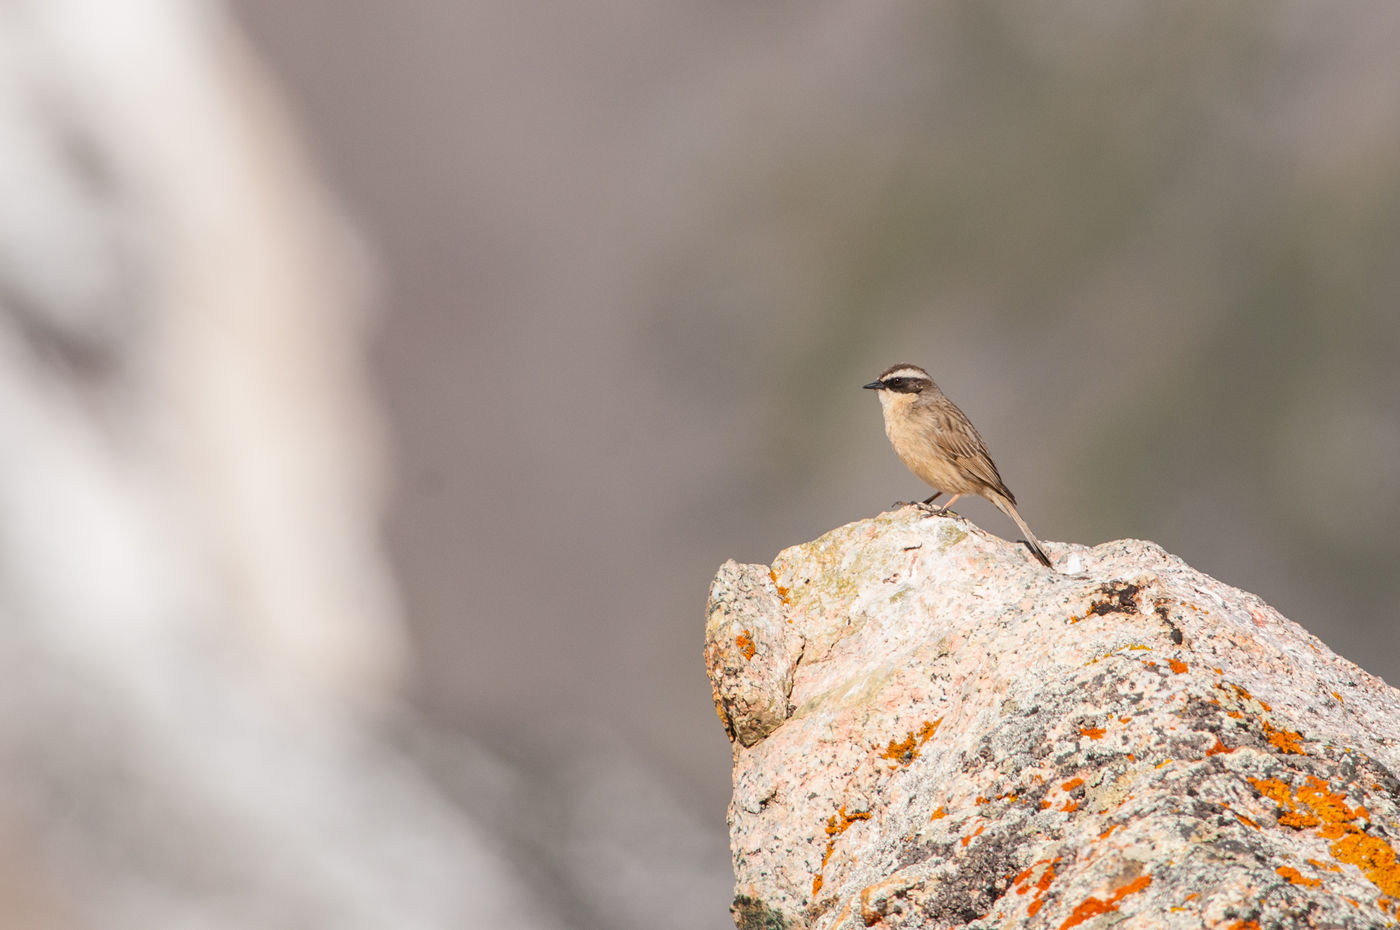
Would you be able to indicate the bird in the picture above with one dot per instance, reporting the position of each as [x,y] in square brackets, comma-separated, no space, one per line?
[939,444]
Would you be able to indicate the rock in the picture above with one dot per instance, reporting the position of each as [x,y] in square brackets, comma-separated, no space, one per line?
[751,688]
[932,730]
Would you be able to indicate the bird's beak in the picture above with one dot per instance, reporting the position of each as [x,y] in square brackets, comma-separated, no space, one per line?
[873,385]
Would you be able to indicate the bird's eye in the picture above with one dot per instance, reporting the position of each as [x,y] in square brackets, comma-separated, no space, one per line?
[897,382]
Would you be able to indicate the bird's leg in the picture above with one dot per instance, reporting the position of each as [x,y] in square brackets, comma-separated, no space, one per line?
[948,506]
[933,497]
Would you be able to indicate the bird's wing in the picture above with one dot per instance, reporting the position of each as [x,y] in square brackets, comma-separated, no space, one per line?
[963,443]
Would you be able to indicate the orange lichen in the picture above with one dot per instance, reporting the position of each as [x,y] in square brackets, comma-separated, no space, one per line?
[1246,821]
[1338,697]
[1326,867]
[1177,666]
[1316,804]
[1044,805]
[981,800]
[1104,835]
[836,824]
[1072,784]
[1329,806]
[1070,806]
[745,644]
[1093,907]
[978,832]
[782,591]
[841,821]
[1092,732]
[1299,820]
[1284,740]
[940,813]
[1244,925]
[1242,693]
[1373,856]
[1191,897]
[1042,885]
[905,751]
[1218,748]
[1273,789]
[1296,877]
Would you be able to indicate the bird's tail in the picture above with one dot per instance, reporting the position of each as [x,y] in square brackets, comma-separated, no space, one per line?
[1007,507]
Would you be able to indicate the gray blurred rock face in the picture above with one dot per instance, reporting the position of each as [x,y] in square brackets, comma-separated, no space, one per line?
[967,739]
[197,630]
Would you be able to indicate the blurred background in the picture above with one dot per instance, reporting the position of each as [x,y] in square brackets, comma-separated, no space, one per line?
[382,384]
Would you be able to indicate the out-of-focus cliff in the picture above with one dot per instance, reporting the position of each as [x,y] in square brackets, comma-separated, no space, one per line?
[200,644]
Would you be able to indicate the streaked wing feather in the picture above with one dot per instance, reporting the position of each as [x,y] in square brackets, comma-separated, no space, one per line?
[962,441]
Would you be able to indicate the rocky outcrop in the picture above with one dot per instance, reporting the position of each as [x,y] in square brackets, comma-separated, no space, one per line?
[932,730]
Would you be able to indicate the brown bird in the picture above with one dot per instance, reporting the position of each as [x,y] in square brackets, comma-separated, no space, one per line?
[938,443]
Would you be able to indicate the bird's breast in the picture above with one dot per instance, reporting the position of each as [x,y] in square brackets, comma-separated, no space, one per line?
[917,446]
